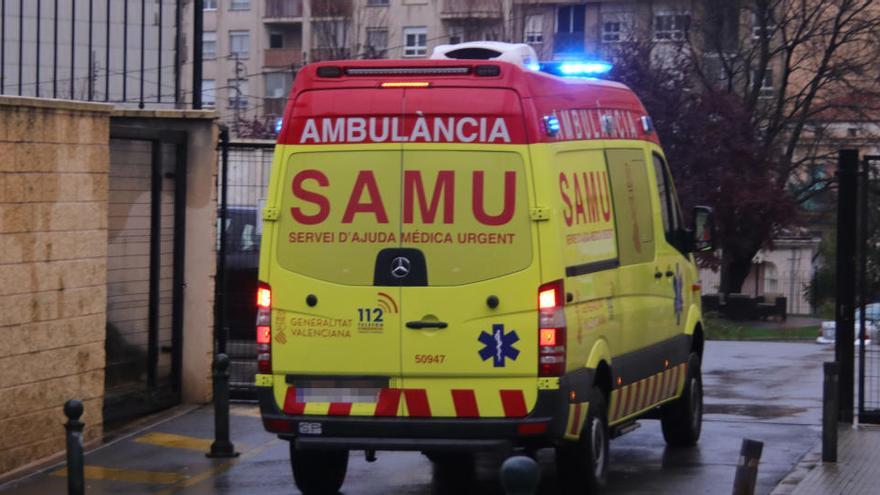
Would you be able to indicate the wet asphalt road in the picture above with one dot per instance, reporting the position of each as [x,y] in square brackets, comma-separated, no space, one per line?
[764,391]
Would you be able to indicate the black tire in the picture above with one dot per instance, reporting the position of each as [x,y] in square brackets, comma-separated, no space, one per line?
[682,420]
[583,465]
[318,472]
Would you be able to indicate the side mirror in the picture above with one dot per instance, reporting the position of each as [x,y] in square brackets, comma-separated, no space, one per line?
[704,229]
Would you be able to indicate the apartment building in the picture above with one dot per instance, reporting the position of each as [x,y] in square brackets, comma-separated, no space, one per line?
[252,48]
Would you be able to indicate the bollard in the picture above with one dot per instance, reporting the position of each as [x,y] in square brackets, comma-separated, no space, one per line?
[747,468]
[222,447]
[520,476]
[73,409]
[830,412]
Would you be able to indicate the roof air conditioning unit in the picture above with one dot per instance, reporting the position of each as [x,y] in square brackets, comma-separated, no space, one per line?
[516,53]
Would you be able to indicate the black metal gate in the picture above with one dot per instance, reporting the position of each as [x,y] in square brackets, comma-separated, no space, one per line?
[244,177]
[146,226]
[867,318]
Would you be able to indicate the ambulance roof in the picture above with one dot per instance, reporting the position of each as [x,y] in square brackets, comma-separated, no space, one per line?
[579,108]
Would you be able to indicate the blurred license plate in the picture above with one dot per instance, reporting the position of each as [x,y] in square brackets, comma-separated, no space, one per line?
[350,390]
[352,395]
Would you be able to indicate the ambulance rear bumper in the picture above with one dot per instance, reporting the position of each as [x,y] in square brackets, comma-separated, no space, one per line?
[544,426]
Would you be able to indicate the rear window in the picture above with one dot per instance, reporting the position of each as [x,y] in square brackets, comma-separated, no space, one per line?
[466,211]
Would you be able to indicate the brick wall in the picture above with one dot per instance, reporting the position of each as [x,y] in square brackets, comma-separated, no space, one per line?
[54,162]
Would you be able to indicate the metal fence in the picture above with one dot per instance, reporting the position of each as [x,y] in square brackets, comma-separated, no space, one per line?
[119,51]
[241,189]
[867,318]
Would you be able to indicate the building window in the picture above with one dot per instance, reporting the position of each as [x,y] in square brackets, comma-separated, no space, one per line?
[372,3]
[209,97]
[209,5]
[240,43]
[616,28]
[238,93]
[534,32]
[771,279]
[570,19]
[278,84]
[239,4]
[670,27]
[276,39]
[766,89]
[456,34]
[415,42]
[757,31]
[209,44]
[377,42]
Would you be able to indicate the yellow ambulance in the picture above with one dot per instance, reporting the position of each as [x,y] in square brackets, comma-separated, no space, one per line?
[468,255]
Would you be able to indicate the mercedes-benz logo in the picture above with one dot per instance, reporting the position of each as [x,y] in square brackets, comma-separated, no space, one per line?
[400,267]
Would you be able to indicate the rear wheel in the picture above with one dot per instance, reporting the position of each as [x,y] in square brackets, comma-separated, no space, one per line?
[583,465]
[682,420]
[318,472]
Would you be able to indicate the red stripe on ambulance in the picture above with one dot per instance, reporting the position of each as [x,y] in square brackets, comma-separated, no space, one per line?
[388,402]
[417,403]
[291,406]
[514,403]
[465,402]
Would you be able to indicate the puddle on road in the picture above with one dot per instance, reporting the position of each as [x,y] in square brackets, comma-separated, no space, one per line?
[754,410]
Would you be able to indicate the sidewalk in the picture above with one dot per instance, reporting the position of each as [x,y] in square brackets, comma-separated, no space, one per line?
[856,472]
[169,457]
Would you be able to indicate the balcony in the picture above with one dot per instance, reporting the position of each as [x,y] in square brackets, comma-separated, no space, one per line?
[274,106]
[568,42]
[471,9]
[282,57]
[280,11]
[331,9]
[319,54]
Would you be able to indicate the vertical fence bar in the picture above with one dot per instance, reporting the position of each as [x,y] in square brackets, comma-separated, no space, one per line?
[72,49]
[178,12]
[107,57]
[91,57]
[159,62]
[143,27]
[20,45]
[220,278]
[39,23]
[2,47]
[862,277]
[55,53]
[847,172]
[125,51]
[198,14]
[830,409]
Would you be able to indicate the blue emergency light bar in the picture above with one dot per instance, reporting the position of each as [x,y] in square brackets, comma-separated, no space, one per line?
[579,68]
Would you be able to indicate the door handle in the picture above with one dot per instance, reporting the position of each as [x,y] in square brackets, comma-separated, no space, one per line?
[420,324]
[670,273]
[658,275]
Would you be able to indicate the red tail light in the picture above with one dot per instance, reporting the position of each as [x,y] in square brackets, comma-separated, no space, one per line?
[551,329]
[264,328]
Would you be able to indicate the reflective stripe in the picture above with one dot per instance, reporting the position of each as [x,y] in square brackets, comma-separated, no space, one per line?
[417,403]
[339,409]
[291,406]
[388,402]
[514,403]
[465,402]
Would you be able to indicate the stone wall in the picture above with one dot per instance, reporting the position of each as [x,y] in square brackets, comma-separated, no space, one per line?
[54,163]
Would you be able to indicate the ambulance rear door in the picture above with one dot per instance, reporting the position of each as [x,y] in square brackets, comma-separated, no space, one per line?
[468,336]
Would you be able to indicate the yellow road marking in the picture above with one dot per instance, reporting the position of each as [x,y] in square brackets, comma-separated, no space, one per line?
[250,411]
[175,441]
[130,475]
[216,470]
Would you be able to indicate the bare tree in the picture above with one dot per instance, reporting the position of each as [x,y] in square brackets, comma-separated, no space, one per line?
[787,63]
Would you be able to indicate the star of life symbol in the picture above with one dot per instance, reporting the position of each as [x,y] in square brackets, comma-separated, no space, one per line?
[498,345]
[679,303]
